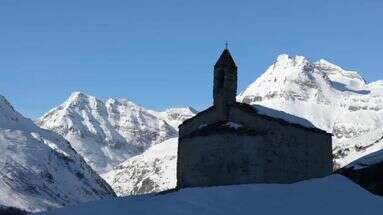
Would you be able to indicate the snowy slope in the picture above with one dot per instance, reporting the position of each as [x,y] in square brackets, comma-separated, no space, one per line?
[175,116]
[106,134]
[331,98]
[364,146]
[39,169]
[152,171]
[331,195]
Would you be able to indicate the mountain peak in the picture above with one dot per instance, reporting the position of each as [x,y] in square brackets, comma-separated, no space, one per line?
[9,117]
[5,105]
[286,60]
[106,133]
[78,98]
[77,95]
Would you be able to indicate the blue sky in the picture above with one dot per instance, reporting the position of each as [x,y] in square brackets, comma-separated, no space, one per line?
[160,53]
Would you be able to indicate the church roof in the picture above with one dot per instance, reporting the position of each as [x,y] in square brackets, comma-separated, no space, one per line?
[225,59]
[221,126]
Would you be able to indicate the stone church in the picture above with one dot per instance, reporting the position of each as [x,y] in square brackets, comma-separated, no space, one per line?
[231,143]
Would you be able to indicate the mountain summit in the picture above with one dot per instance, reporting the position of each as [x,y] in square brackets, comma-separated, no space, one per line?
[108,133]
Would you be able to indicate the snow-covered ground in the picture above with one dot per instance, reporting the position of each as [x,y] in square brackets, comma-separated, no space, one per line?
[108,133]
[39,169]
[331,195]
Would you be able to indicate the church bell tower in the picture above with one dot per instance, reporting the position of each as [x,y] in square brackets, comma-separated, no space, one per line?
[225,81]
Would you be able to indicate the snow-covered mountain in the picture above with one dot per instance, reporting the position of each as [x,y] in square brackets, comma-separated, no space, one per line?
[330,195]
[108,133]
[331,98]
[152,171]
[39,169]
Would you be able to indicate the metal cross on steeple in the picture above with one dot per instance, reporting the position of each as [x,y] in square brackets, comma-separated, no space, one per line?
[226,44]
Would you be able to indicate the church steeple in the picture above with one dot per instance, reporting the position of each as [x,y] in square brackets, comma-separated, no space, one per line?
[225,80]
[225,60]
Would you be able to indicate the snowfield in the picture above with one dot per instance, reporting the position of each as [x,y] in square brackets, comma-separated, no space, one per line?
[331,195]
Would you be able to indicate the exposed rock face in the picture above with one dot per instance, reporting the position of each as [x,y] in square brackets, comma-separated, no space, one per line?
[331,98]
[152,171]
[106,134]
[39,170]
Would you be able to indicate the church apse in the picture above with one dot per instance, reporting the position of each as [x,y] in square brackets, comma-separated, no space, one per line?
[231,143]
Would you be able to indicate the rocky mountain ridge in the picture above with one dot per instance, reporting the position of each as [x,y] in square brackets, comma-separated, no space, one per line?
[108,133]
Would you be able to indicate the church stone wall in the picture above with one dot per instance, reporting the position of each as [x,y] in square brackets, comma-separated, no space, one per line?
[206,117]
[273,152]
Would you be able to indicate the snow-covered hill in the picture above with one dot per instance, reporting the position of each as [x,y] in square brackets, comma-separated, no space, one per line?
[331,98]
[39,169]
[106,134]
[331,195]
[152,171]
